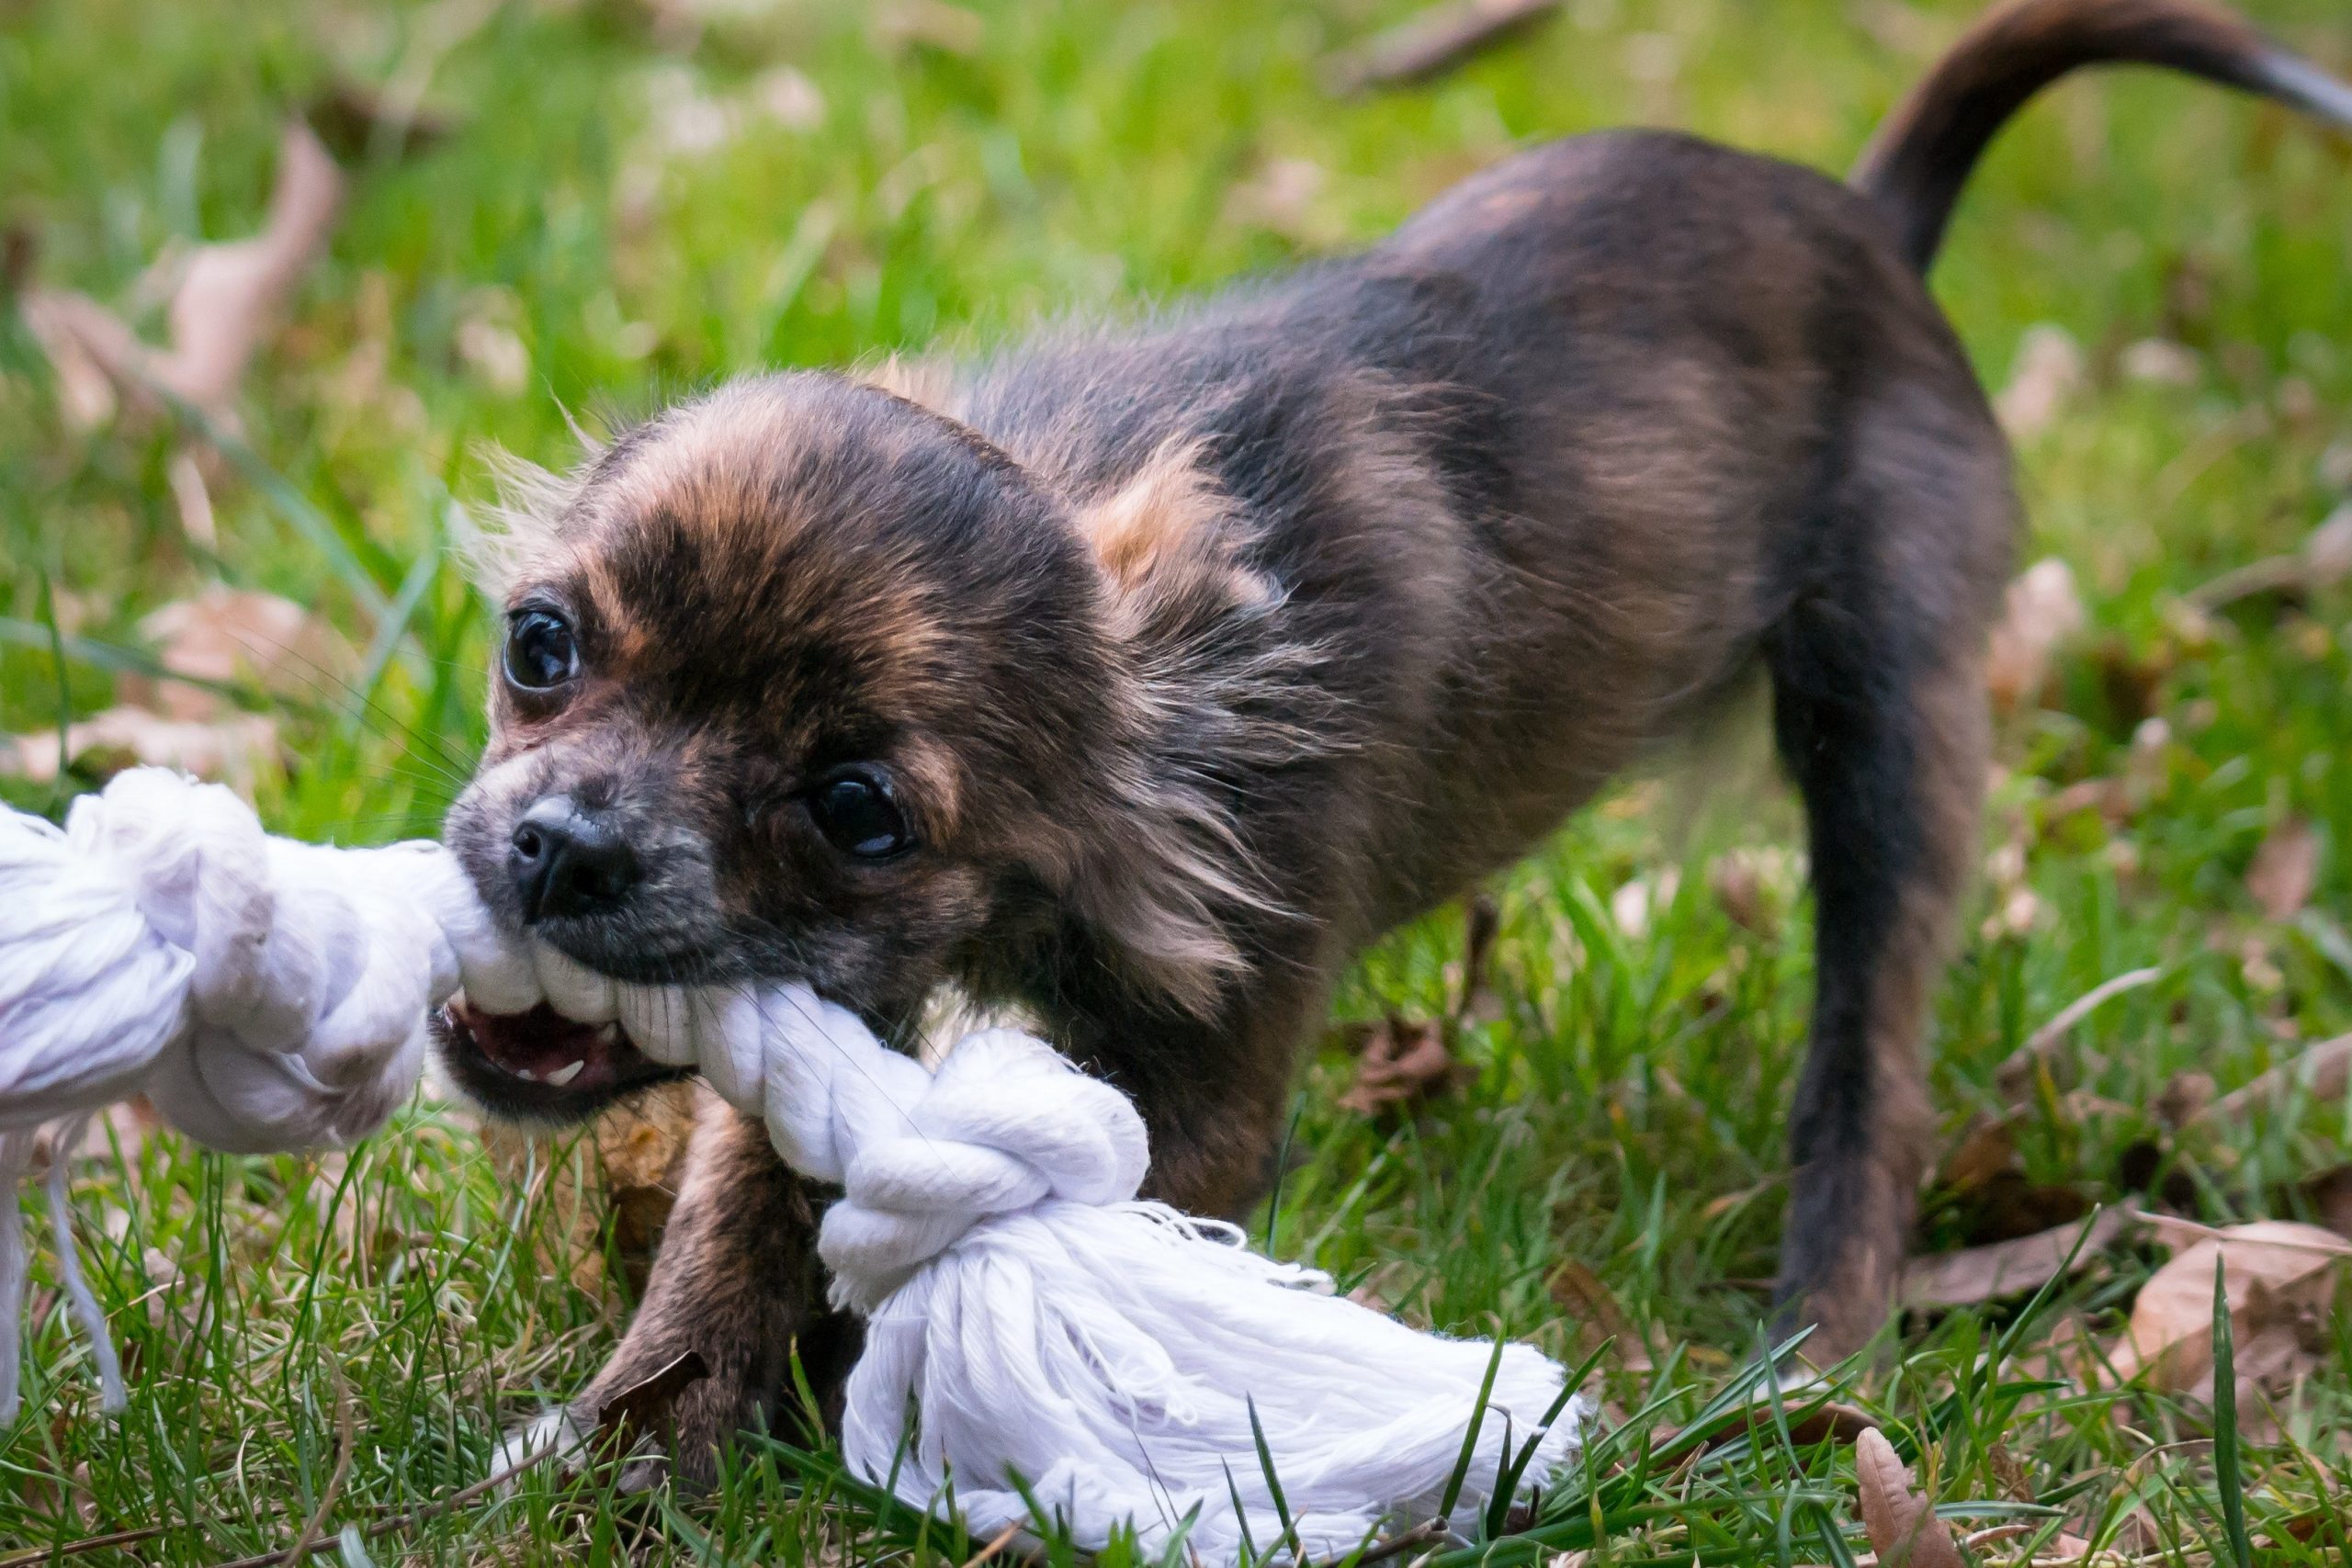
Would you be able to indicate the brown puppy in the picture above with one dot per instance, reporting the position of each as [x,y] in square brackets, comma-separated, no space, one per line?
[1139,678]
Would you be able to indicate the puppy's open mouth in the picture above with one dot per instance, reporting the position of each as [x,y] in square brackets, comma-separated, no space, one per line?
[540,1065]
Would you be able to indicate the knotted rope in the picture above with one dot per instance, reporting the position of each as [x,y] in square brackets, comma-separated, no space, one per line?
[1030,1322]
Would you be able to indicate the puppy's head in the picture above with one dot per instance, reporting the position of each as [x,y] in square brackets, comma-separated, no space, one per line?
[801,681]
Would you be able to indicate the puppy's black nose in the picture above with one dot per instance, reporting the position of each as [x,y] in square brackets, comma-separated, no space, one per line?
[568,861]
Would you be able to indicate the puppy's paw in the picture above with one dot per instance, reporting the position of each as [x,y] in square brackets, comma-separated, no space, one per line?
[558,1437]
[563,1437]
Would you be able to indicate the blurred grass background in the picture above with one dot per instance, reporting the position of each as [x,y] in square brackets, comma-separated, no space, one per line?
[621,201]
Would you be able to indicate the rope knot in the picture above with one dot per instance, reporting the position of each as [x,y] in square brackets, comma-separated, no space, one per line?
[1006,1124]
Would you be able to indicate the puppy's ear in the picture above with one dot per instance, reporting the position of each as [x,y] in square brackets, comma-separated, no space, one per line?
[1173,881]
[522,528]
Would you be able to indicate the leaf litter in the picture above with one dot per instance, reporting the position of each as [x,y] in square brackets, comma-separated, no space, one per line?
[1402,1062]
[217,637]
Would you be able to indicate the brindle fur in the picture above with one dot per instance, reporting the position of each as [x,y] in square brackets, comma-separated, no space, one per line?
[1207,650]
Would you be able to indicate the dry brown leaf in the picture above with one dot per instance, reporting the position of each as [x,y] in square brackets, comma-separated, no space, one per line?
[641,1150]
[2284,869]
[2163,361]
[64,325]
[1582,1294]
[2272,1270]
[228,635]
[2324,1072]
[1432,41]
[933,23]
[1753,885]
[2041,611]
[1284,197]
[1989,1148]
[1900,1521]
[2017,1074]
[1405,1061]
[2007,1267]
[2049,368]
[2330,1196]
[2325,558]
[231,748]
[2185,1097]
[232,293]
[228,296]
[1402,1061]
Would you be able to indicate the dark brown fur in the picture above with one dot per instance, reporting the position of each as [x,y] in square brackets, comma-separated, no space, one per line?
[1206,650]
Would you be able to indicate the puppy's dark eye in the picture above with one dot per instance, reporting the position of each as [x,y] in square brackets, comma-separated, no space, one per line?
[856,812]
[540,654]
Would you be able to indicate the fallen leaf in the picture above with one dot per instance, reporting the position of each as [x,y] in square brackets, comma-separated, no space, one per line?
[931,24]
[2161,360]
[1283,197]
[1632,904]
[1403,1062]
[640,1148]
[2007,1267]
[2271,1269]
[2327,552]
[2184,1099]
[644,1407]
[227,636]
[2323,1072]
[2284,869]
[789,97]
[2041,611]
[1431,41]
[2330,1196]
[1900,1522]
[62,324]
[2049,368]
[488,344]
[225,299]
[2325,558]
[2015,1479]
[230,293]
[1582,1294]
[231,748]
[2020,1071]
[1989,1148]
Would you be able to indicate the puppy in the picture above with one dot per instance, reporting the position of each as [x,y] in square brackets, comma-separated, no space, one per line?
[1139,678]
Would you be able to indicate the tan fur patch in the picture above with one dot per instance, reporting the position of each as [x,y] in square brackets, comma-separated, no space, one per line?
[522,530]
[1164,534]
[929,383]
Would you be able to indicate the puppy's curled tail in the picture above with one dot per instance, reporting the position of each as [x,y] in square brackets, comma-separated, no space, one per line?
[1914,167]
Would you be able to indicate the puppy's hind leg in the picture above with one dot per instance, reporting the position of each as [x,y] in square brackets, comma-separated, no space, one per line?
[1880,714]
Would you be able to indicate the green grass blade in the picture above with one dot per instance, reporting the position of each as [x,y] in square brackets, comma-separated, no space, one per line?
[2229,1471]
[1453,1483]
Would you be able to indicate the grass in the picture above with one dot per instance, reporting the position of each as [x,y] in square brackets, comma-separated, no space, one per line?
[1628,1100]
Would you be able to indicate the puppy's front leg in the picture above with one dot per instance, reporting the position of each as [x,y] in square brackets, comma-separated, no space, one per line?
[737,1279]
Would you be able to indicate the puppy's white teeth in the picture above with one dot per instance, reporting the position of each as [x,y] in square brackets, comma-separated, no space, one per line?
[526,1074]
[610,1035]
[563,1076]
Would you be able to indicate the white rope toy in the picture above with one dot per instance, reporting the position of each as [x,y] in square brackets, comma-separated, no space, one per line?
[1027,1318]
